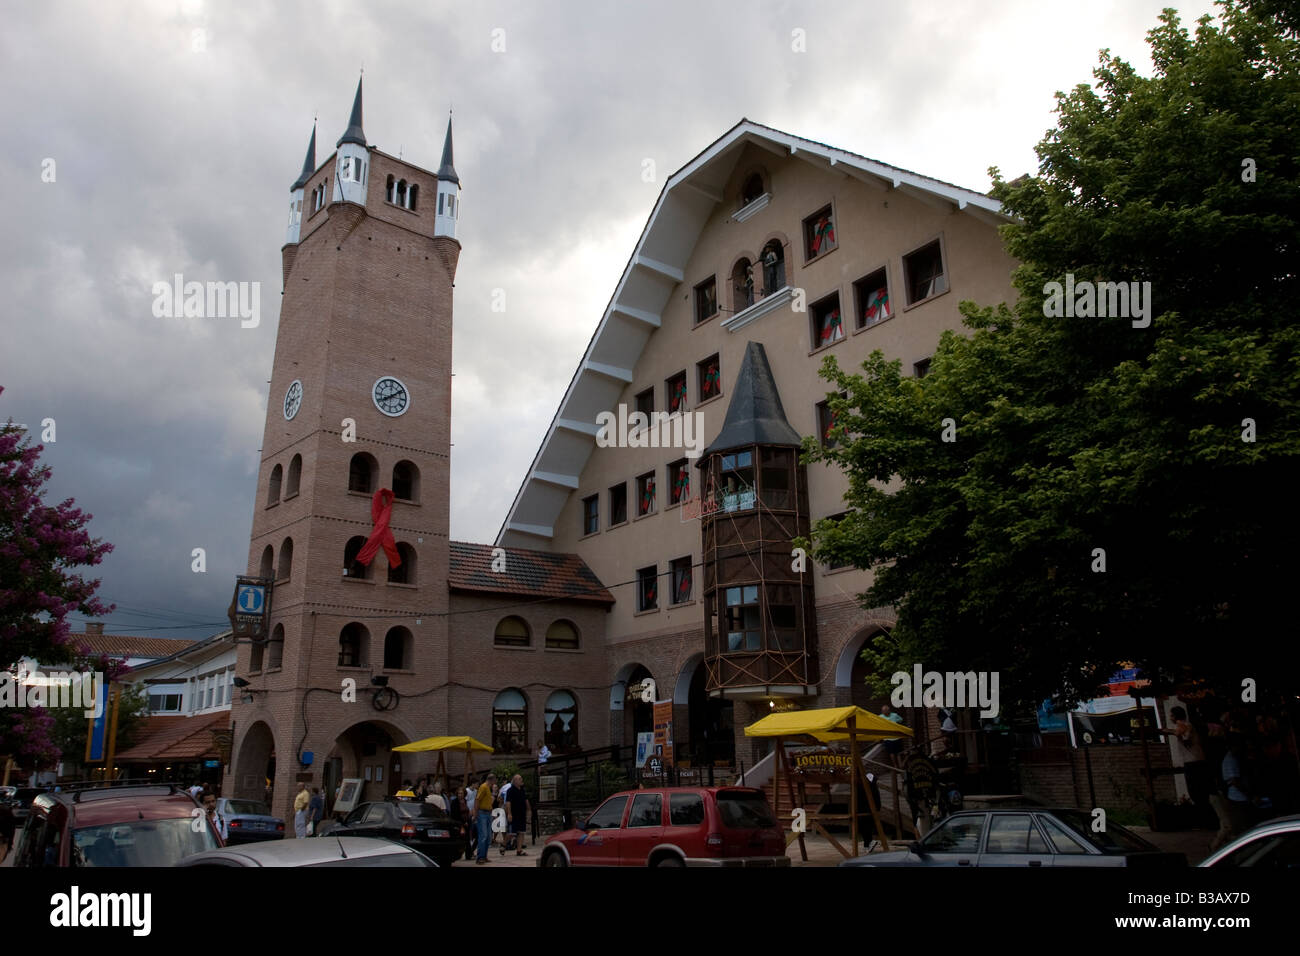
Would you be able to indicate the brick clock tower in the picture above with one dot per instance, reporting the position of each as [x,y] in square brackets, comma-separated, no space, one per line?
[360,401]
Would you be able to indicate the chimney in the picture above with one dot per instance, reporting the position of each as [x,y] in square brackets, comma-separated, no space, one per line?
[94,628]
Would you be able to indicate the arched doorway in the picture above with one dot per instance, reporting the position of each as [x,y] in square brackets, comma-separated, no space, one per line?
[255,764]
[712,724]
[638,714]
[365,750]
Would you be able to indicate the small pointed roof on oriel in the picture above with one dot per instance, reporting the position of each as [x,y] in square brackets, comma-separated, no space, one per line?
[755,415]
[447,171]
[308,164]
[354,133]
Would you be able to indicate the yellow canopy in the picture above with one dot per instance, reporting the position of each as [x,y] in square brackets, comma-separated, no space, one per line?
[827,724]
[465,744]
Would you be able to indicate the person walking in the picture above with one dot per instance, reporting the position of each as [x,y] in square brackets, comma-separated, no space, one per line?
[518,807]
[483,801]
[315,811]
[300,804]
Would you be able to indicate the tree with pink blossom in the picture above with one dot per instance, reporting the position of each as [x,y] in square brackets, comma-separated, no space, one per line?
[40,548]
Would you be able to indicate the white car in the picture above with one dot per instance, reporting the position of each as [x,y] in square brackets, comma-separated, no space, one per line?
[1273,845]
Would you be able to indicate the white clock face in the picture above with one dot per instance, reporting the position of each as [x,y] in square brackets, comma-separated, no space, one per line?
[292,400]
[391,396]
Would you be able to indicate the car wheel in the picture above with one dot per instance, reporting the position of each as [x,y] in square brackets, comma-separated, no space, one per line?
[675,861]
[554,858]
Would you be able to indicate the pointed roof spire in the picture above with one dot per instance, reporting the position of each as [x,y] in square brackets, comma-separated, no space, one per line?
[447,172]
[308,164]
[755,415]
[354,134]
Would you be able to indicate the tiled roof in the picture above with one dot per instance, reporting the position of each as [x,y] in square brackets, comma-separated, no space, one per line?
[176,738]
[539,574]
[123,645]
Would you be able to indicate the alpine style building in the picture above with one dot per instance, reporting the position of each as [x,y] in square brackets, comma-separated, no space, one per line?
[763,254]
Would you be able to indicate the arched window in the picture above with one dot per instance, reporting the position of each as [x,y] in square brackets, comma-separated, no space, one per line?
[401,192]
[267,567]
[413,194]
[361,473]
[352,645]
[562,634]
[773,267]
[275,649]
[255,654]
[752,189]
[398,649]
[510,722]
[512,632]
[294,476]
[390,191]
[286,560]
[404,573]
[352,568]
[561,722]
[742,285]
[273,488]
[406,481]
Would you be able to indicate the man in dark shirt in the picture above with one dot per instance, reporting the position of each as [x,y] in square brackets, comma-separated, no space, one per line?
[518,808]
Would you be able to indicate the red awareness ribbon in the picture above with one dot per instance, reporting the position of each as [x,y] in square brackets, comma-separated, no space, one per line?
[381,509]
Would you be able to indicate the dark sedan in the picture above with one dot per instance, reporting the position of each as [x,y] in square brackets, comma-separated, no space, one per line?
[1033,837]
[421,826]
[249,821]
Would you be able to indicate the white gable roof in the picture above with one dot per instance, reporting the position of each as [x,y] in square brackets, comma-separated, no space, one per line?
[685,204]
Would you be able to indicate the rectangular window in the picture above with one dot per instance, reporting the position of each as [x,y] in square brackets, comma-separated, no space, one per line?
[645,494]
[738,481]
[924,274]
[618,504]
[591,514]
[826,421]
[681,574]
[783,617]
[647,591]
[706,299]
[743,622]
[676,392]
[776,478]
[441,197]
[827,326]
[645,402]
[871,295]
[209,697]
[922,368]
[836,564]
[679,475]
[819,233]
[709,377]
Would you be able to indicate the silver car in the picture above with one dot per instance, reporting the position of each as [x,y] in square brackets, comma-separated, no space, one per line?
[1274,845]
[325,851]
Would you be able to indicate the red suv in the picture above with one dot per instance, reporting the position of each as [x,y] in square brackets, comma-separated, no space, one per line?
[139,825]
[674,826]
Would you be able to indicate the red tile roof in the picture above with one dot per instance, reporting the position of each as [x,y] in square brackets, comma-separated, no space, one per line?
[537,574]
[124,646]
[176,738]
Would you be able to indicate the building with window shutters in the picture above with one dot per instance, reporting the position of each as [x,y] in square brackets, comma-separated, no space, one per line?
[762,255]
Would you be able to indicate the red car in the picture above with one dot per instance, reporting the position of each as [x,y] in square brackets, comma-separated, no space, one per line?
[131,825]
[674,826]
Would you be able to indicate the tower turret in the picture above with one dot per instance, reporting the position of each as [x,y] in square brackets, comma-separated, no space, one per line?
[444,223]
[296,192]
[353,159]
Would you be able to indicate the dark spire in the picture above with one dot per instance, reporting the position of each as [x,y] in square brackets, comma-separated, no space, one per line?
[755,415]
[447,172]
[354,133]
[308,164]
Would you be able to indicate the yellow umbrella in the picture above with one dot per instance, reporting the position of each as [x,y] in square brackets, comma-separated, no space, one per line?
[466,744]
[827,724]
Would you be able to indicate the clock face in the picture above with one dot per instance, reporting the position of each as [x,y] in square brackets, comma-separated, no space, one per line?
[390,396]
[292,399]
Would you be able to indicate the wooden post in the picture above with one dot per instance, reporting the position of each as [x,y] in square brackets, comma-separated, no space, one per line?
[855,775]
[789,785]
[898,803]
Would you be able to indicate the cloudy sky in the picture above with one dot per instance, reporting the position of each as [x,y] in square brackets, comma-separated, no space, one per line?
[176,128]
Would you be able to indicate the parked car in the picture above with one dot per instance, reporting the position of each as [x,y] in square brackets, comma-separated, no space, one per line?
[1025,836]
[421,826]
[674,826]
[249,821]
[1273,845]
[20,801]
[328,851]
[132,825]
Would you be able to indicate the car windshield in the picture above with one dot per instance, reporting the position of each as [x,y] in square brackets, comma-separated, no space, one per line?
[250,807]
[1114,839]
[140,843]
[744,811]
[415,811]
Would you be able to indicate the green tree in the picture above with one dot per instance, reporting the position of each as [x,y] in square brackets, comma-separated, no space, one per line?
[1077,434]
